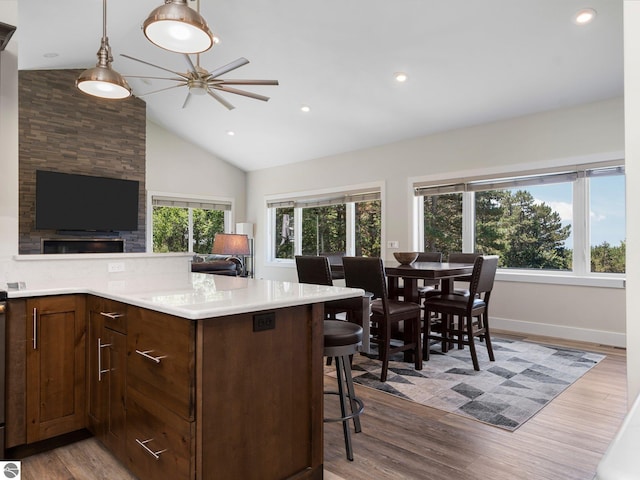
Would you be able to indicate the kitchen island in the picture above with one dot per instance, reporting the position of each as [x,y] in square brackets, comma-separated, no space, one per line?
[195,376]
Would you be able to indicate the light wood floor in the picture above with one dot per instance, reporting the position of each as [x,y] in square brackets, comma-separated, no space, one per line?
[404,440]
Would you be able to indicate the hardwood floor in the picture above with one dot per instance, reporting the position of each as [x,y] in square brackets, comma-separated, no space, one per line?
[404,440]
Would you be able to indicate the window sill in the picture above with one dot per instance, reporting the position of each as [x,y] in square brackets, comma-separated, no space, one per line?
[562,278]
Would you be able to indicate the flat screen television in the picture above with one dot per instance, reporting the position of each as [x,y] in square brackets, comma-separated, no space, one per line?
[73,202]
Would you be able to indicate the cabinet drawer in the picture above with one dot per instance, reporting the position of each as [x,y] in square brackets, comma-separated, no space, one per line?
[160,444]
[161,359]
[114,315]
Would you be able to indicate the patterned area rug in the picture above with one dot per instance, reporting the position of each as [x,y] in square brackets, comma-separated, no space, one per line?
[506,393]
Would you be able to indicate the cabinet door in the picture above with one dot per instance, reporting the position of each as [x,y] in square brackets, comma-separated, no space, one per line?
[114,378]
[55,366]
[106,373]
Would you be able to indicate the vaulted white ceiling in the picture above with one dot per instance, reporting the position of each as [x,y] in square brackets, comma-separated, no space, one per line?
[468,61]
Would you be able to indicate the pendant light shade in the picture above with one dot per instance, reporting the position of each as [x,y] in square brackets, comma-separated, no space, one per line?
[102,81]
[176,27]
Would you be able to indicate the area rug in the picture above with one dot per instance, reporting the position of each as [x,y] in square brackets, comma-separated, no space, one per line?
[525,377]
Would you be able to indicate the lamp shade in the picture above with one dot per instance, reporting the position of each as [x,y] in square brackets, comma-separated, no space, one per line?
[102,81]
[176,27]
[231,244]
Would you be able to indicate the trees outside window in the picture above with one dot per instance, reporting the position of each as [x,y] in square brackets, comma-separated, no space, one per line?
[347,222]
[173,227]
[531,222]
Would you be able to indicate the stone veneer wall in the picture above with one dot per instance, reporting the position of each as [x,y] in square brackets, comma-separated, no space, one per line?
[64,130]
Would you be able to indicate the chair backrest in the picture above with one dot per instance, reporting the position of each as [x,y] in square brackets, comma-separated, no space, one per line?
[335,258]
[312,269]
[366,273]
[483,276]
[429,257]
[458,257]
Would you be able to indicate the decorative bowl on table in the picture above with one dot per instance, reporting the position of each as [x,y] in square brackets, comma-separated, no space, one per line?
[405,258]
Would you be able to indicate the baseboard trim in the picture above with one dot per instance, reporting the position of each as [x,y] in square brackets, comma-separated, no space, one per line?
[601,337]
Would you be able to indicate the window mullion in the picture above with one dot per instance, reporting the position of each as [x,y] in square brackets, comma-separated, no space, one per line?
[297,231]
[581,250]
[350,209]
[190,235]
[468,221]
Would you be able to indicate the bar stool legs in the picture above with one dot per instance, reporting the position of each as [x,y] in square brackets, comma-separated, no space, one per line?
[341,340]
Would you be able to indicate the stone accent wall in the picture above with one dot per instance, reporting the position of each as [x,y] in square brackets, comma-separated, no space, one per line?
[64,130]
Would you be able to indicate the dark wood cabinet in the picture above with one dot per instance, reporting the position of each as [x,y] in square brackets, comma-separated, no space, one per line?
[55,366]
[106,373]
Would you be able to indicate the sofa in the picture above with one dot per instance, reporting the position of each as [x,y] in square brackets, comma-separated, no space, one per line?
[217,264]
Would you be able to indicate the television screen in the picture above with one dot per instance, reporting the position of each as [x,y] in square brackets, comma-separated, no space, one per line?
[80,202]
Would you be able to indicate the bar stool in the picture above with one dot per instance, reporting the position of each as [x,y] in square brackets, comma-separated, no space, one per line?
[341,340]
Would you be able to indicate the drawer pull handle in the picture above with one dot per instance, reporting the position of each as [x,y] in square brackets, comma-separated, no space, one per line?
[143,444]
[112,315]
[100,347]
[146,353]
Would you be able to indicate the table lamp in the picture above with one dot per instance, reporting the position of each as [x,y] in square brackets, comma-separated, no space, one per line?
[232,244]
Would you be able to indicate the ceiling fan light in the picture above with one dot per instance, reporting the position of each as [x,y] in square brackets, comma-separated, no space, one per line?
[102,81]
[176,27]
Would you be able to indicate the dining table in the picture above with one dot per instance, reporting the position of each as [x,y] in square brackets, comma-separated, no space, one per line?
[412,273]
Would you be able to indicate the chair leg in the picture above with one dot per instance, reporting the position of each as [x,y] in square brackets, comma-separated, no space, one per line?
[472,343]
[426,334]
[343,406]
[384,347]
[487,336]
[352,395]
[417,342]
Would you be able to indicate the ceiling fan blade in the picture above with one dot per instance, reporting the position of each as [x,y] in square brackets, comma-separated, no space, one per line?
[248,82]
[156,78]
[220,99]
[186,100]
[241,92]
[161,90]
[152,65]
[190,63]
[228,67]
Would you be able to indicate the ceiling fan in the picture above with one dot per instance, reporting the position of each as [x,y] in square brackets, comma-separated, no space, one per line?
[204,82]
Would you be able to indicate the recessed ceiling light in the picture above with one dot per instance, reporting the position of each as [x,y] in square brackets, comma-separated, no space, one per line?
[216,39]
[400,76]
[584,16]
[50,55]
[231,133]
[305,108]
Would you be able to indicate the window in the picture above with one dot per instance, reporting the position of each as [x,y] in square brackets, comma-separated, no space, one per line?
[533,221]
[181,225]
[347,222]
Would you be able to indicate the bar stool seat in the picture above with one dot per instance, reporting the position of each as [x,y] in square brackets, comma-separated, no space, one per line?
[341,340]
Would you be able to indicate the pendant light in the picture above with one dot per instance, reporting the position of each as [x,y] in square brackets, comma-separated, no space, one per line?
[102,81]
[177,27]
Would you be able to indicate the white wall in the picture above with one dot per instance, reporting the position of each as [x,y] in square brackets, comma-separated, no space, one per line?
[632,124]
[9,135]
[177,166]
[576,134]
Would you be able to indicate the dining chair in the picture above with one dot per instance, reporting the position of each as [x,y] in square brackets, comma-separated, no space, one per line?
[316,270]
[429,287]
[368,274]
[335,258]
[460,257]
[463,317]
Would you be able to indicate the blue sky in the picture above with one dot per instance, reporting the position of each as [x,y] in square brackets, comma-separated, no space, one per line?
[607,209]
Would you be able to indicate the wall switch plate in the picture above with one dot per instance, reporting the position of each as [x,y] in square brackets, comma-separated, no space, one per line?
[115,267]
[393,244]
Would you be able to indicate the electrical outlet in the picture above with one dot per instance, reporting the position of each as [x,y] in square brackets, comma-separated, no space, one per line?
[393,244]
[115,267]
[264,321]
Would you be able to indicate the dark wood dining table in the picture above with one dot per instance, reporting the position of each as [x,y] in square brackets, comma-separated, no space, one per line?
[411,274]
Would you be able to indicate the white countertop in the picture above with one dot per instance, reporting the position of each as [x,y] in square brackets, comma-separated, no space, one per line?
[193,295]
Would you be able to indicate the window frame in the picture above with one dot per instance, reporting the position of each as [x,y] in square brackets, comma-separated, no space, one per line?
[581,274]
[187,198]
[308,196]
